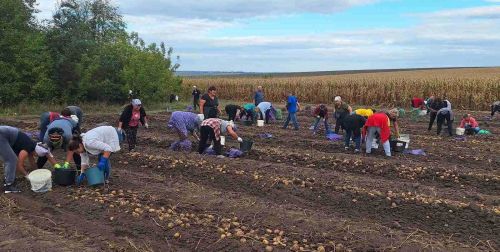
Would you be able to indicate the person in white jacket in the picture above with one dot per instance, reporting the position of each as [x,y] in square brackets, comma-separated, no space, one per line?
[100,141]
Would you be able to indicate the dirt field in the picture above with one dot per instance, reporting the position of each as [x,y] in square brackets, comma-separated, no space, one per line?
[292,192]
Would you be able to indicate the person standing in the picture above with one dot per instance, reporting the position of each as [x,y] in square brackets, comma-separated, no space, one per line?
[258,96]
[209,104]
[196,97]
[341,109]
[132,115]
[292,106]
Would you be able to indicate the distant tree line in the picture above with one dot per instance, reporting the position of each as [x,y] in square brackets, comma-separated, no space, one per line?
[83,53]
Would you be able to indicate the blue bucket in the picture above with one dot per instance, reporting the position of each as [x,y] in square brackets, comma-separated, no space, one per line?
[94,176]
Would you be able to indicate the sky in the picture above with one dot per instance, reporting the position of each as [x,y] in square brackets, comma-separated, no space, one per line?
[316,35]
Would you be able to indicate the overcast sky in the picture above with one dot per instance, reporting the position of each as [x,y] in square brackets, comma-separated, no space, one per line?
[316,35]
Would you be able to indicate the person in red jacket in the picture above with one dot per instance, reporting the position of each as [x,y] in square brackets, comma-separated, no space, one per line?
[470,125]
[378,123]
[417,103]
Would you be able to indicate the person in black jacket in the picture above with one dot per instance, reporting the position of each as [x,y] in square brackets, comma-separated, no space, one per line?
[434,107]
[232,110]
[130,118]
[352,124]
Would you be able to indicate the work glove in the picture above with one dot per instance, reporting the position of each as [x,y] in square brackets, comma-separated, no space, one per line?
[103,163]
[146,125]
[80,179]
[57,166]
[75,118]
[66,165]
[240,140]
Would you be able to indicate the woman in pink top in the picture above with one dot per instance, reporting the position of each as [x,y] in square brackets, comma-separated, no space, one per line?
[132,115]
[469,124]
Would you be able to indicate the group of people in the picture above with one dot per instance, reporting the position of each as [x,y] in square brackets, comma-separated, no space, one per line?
[63,130]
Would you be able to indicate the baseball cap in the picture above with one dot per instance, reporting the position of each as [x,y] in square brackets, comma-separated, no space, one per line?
[136,102]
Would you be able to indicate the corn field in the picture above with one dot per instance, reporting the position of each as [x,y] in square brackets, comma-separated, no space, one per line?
[468,89]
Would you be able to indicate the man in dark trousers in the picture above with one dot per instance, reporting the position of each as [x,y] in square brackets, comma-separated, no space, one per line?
[196,97]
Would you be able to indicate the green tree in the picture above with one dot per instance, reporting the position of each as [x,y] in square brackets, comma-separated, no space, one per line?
[24,61]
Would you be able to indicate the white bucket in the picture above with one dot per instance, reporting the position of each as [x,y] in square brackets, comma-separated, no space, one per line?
[460,131]
[405,138]
[201,116]
[422,112]
[222,140]
[41,180]
[374,144]
[260,123]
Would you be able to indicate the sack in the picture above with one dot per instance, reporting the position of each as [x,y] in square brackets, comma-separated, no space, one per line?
[234,153]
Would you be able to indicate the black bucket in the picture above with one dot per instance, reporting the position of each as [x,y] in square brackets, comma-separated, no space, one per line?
[246,145]
[248,123]
[64,177]
[398,146]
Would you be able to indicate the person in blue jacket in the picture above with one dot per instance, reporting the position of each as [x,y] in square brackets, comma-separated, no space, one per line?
[292,106]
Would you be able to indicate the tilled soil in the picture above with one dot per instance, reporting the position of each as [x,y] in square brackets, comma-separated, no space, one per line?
[294,191]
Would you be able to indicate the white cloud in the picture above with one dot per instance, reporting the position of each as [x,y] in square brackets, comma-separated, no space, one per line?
[455,37]
[489,12]
[234,9]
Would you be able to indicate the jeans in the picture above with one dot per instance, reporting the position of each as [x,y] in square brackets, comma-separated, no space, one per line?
[291,117]
[316,124]
[207,134]
[369,140]
[338,121]
[471,131]
[440,121]
[9,159]
[356,137]
[78,112]
[44,123]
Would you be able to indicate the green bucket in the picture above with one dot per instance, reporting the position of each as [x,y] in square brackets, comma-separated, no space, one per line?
[279,114]
[94,176]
